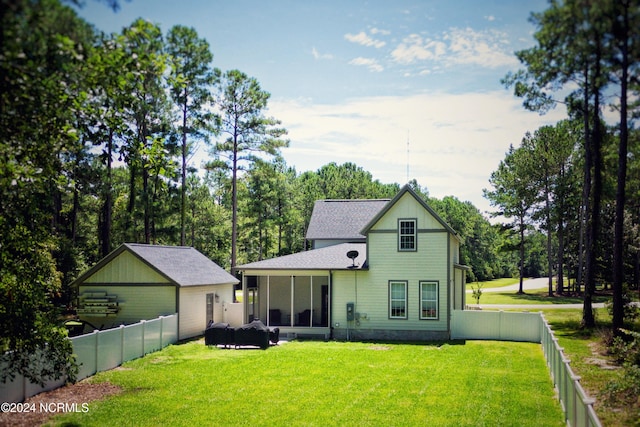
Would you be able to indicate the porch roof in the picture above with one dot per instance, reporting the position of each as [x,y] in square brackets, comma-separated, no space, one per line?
[327,258]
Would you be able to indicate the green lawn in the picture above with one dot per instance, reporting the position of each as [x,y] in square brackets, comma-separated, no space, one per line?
[331,383]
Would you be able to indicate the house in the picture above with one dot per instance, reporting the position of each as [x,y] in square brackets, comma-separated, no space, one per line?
[141,282]
[379,269]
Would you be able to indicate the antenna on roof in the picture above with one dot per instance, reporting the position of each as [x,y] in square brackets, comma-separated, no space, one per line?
[352,255]
[407,155]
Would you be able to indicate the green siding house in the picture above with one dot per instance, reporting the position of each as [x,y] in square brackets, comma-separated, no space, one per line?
[141,282]
[379,269]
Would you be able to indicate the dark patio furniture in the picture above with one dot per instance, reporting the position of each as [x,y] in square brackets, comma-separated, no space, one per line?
[254,334]
[218,333]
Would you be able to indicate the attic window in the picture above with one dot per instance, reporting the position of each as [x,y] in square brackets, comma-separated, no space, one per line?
[407,234]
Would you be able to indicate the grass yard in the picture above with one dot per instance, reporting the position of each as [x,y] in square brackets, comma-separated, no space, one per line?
[469,383]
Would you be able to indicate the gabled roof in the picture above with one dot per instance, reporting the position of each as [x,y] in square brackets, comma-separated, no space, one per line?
[389,205]
[327,258]
[342,219]
[182,265]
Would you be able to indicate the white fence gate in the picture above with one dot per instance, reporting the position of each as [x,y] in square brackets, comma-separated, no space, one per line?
[103,350]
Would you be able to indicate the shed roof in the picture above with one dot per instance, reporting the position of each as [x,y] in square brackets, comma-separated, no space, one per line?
[342,219]
[183,265]
[327,258]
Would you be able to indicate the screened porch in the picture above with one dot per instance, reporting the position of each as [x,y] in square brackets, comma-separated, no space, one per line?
[295,304]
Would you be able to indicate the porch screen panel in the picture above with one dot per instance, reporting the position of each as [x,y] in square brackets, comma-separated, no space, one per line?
[279,300]
[302,300]
[321,301]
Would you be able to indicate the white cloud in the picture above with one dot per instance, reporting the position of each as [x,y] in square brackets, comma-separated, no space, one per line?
[484,48]
[370,63]
[458,46]
[414,48]
[490,18]
[363,39]
[375,30]
[456,141]
[318,55]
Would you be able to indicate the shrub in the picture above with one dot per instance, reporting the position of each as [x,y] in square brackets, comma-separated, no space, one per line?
[631,310]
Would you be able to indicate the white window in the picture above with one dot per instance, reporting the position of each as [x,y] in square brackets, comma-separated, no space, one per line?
[428,300]
[397,300]
[407,234]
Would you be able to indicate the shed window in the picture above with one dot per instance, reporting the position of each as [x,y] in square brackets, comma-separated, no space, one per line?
[397,300]
[428,300]
[407,235]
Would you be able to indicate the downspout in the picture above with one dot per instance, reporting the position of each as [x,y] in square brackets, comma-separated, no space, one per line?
[449,267]
[178,307]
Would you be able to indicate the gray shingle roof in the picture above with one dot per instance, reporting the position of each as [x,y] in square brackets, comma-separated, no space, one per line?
[182,264]
[327,258]
[342,219]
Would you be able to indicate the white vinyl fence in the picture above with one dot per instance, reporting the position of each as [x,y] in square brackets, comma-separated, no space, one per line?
[103,350]
[577,405]
[531,327]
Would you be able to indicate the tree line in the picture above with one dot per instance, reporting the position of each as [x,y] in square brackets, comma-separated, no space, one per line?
[577,181]
[98,133]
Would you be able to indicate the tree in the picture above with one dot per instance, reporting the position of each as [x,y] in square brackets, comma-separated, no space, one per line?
[147,114]
[570,51]
[42,47]
[625,17]
[247,133]
[190,79]
[514,195]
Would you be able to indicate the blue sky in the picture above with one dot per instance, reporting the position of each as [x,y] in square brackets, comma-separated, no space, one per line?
[354,81]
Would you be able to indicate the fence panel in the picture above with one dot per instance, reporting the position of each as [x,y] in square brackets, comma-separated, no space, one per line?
[109,349]
[169,330]
[85,347]
[495,325]
[152,335]
[132,342]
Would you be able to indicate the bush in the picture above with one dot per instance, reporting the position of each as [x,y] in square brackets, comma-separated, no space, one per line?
[625,348]
[631,311]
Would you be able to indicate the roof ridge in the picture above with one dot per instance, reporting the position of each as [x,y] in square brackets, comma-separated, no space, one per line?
[149,245]
[353,200]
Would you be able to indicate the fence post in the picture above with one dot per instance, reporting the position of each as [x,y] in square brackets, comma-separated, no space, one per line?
[122,343]
[588,402]
[144,337]
[97,334]
[161,331]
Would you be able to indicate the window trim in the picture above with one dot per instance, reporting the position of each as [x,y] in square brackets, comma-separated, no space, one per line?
[414,234]
[405,283]
[422,300]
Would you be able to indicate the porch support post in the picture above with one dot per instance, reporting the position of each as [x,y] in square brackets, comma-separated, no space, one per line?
[268,300]
[311,316]
[245,300]
[292,320]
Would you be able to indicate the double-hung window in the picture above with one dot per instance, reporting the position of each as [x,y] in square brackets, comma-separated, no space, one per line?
[407,233]
[428,300]
[397,300]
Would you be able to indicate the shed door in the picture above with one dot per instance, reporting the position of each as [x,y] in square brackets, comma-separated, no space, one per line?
[209,315]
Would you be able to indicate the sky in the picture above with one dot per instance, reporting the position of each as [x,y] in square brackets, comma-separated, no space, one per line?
[405,89]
